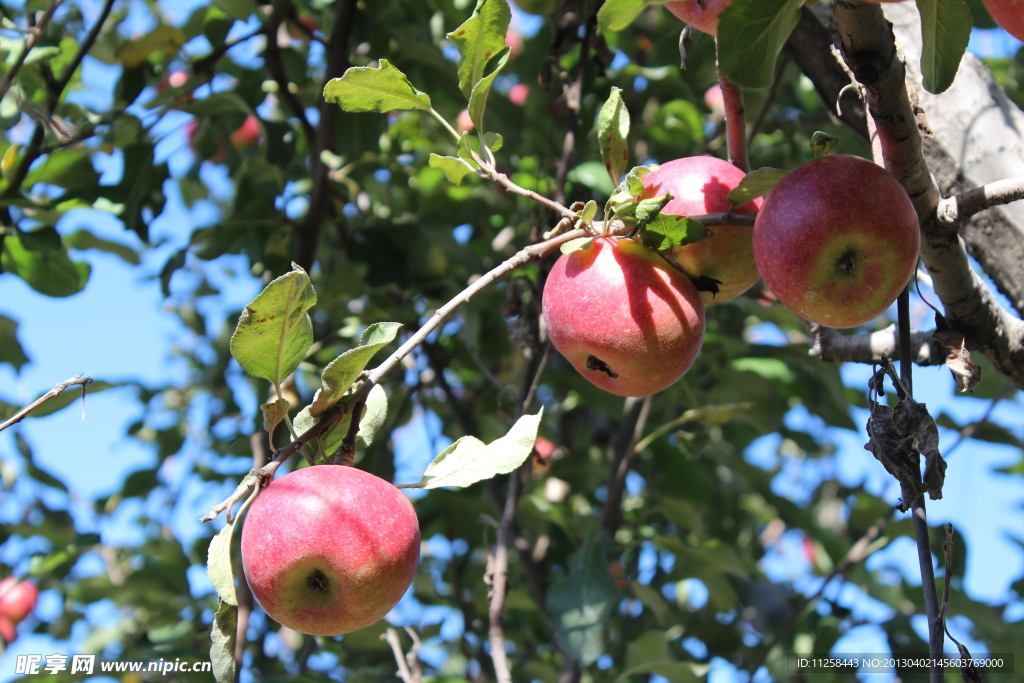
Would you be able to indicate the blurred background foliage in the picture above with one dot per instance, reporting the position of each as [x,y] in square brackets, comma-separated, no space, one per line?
[729,521]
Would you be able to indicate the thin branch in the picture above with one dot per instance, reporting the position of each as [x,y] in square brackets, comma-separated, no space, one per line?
[58,388]
[84,48]
[968,431]
[855,554]
[492,174]
[499,581]
[30,42]
[735,123]
[769,100]
[491,377]
[711,220]
[958,209]
[206,62]
[391,635]
[412,657]
[272,58]
[828,344]
[532,391]
[260,444]
[636,412]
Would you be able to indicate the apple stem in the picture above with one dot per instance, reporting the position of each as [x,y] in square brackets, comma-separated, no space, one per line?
[735,123]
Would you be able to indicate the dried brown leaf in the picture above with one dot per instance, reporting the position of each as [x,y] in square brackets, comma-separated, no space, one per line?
[966,372]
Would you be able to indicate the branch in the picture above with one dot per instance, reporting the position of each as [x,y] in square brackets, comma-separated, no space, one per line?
[636,412]
[828,344]
[84,48]
[272,58]
[492,174]
[735,124]
[30,42]
[391,635]
[58,388]
[956,210]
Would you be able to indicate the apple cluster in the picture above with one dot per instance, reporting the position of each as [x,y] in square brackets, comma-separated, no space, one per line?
[835,240]
[17,600]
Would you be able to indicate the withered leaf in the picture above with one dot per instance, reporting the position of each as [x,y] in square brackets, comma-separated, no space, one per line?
[896,454]
[913,422]
[966,372]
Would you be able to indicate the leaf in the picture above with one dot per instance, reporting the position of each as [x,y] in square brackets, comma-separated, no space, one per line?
[223,636]
[51,273]
[339,375]
[239,9]
[822,143]
[11,351]
[274,331]
[666,232]
[589,211]
[755,184]
[478,100]
[381,89]
[273,413]
[478,39]
[966,372]
[168,39]
[375,411]
[455,169]
[578,244]
[83,239]
[494,141]
[218,557]
[469,460]
[612,134]
[581,601]
[616,15]
[945,31]
[750,35]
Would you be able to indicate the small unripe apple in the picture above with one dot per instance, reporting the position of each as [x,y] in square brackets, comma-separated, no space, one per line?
[701,185]
[623,317]
[836,240]
[1009,14]
[329,549]
[17,599]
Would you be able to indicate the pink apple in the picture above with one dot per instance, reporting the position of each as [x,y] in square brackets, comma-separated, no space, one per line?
[329,549]
[715,100]
[518,94]
[464,122]
[248,134]
[8,631]
[836,240]
[701,185]
[17,599]
[1009,14]
[626,319]
[700,14]
[514,41]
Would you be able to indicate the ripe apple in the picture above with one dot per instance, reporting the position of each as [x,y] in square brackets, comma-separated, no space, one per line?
[701,185]
[329,549]
[836,240]
[703,14]
[17,599]
[248,134]
[1009,14]
[623,316]
[8,631]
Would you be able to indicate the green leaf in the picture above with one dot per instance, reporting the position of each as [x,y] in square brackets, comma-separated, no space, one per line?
[494,141]
[339,375]
[274,331]
[218,557]
[51,273]
[945,31]
[375,411]
[578,244]
[222,637]
[666,232]
[10,348]
[71,169]
[593,175]
[616,15]
[478,100]
[589,211]
[479,39]
[755,184]
[161,39]
[381,89]
[750,35]
[273,413]
[470,460]
[612,134]
[581,601]
[239,9]
[455,169]
[83,240]
[822,143]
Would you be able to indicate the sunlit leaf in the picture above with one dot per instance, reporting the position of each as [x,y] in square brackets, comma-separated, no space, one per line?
[750,35]
[755,184]
[381,89]
[222,637]
[341,372]
[613,134]
[479,39]
[945,32]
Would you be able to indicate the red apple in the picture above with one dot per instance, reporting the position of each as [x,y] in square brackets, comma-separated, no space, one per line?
[700,14]
[836,240]
[17,599]
[701,185]
[464,122]
[8,631]
[624,317]
[329,549]
[715,101]
[518,94]
[1009,14]
[248,134]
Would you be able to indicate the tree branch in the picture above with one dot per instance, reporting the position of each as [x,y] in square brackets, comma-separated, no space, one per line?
[84,48]
[635,419]
[956,210]
[58,388]
[735,124]
[33,36]
[830,345]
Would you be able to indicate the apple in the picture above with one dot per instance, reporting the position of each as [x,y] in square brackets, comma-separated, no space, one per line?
[701,185]
[715,101]
[464,122]
[329,549]
[518,94]
[248,134]
[17,599]
[8,631]
[703,14]
[515,43]
[1009,14]
[836,240]
[623,316]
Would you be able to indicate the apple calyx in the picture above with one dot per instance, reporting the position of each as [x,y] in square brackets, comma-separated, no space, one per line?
[596,364]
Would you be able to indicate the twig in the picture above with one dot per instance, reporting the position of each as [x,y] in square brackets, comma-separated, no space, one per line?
[854,555]
[491,377]
[492,174]
[391,635]
[735,124]
[206,62]
[272,58]
[499,581]
[956,210]
[412,657]
[58,388]
[711,220]
[636,413]
[30,42]
[828,344]
[84,48]
[769,100]
[532,391]
[260,444]
[968,431]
